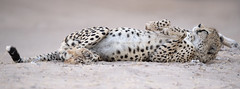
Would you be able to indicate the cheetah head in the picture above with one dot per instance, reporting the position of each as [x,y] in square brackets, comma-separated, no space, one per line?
[207,43]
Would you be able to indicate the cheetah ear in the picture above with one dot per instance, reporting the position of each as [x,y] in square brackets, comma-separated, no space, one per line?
[200,25]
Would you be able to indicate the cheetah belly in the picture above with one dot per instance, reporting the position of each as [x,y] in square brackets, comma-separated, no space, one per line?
[127,47]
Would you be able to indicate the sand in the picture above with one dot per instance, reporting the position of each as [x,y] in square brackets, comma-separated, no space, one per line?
[37,27]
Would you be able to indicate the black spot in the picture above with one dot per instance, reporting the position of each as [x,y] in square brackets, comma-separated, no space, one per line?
[132,32]
[73,44]
[113,35]
[93,34]
[131,58]
[119,34]
[185,42]
[142,50]
[149,36]
[97,36]
[138,48]
[155,50]
[121,57]
[91,38]
[112,58]
[93,31]
[127,35]
[126,56]
[118,52]
[157,46]
[134,51]
[94,43]
[164,46]
[129,49]
[103,33]
[137,34]
[136,56]
[160,41]
[149,42]
[70,36]
[175,40]
[86,41]
[66,40]
[147,48]
[151,47]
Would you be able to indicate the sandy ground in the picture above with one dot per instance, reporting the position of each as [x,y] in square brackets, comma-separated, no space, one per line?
[37,27]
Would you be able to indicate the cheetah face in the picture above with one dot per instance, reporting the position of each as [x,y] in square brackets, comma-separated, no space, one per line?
[207,42]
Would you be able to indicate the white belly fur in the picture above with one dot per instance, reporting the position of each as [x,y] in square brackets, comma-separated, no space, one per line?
[110,44]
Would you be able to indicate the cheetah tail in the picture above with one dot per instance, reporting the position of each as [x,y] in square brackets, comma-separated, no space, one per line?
[17,59]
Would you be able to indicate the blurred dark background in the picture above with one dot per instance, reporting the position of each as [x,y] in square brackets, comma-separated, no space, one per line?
[39,26]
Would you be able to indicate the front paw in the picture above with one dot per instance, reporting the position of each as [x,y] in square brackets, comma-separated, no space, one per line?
[235,45]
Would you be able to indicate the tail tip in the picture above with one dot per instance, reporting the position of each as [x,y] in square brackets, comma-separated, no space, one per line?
[14,54]
[8,48]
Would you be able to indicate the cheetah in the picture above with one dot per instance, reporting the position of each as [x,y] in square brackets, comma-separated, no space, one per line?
[159,42]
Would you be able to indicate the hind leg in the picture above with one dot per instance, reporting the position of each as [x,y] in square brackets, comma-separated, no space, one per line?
[86,38]
[75,46]
[81,55]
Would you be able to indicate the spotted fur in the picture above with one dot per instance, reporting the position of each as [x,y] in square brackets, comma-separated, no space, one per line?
[158,43]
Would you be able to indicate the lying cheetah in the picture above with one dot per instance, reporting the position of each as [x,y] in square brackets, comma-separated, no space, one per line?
[158,43]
